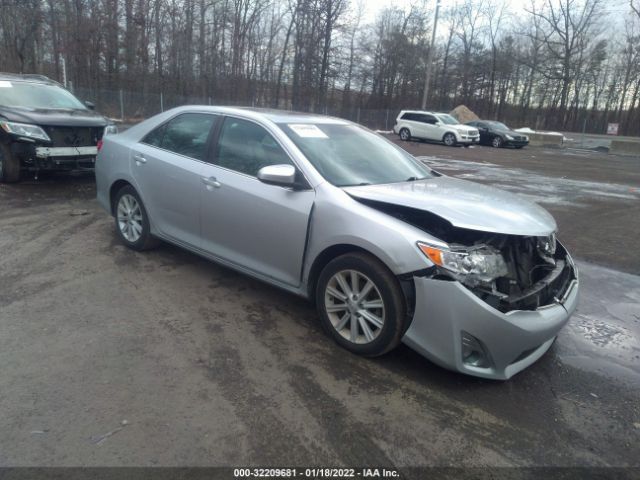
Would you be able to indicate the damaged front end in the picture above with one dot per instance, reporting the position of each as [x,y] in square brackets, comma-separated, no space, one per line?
[511,273]
[508,272]
[59,148]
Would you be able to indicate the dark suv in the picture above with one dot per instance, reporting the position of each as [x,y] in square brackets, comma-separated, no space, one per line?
[44,127]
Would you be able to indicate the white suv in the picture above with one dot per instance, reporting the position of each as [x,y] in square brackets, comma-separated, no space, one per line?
[439,127]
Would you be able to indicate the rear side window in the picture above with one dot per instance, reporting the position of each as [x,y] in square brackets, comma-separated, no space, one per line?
[154,138]
[246,147]
[409,116]
[186,134]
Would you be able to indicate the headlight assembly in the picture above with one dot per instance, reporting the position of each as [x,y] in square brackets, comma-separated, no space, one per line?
[469,265]
[110,130]
[25,130]
[509,137]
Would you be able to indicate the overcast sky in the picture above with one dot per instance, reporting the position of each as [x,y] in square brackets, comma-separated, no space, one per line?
[616,7]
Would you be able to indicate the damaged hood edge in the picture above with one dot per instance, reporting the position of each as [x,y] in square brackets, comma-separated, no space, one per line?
[464,204]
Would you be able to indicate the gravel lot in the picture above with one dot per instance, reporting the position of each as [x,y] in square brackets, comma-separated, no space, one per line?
[116,358]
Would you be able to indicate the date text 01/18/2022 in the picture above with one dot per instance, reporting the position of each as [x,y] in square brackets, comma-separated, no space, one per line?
[315,472]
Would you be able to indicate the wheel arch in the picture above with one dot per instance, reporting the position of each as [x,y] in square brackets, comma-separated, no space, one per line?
[323,258]
[450,132]
[113,191]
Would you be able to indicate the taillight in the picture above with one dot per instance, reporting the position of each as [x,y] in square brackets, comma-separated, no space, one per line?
[99,145]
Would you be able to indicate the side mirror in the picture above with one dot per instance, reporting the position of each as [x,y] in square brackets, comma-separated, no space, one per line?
[282,175]
[90,105]
[437,122]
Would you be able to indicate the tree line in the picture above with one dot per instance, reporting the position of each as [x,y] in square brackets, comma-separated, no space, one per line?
[553,64]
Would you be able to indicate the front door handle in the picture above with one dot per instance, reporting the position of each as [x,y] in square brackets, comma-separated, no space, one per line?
[211,182]
[139,158]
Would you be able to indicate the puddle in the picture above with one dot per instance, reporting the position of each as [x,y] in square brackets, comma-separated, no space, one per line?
[536,187]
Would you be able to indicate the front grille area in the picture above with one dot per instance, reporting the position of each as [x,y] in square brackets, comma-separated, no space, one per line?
[74,136]
[532,282]
[545,292]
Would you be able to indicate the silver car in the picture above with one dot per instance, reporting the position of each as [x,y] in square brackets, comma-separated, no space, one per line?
[389,250]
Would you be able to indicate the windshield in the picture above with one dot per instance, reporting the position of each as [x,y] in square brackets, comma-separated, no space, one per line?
[37,95]
[499,126]
[347,155]
[448,119]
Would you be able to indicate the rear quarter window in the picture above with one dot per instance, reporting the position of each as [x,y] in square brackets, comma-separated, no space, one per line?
[186,134]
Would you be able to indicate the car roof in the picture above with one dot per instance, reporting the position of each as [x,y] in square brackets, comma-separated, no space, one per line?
[270,114]
[428,112]
[27,77]
[418,111]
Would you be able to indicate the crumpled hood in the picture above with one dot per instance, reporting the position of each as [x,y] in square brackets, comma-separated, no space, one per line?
[464,204]
[54,117]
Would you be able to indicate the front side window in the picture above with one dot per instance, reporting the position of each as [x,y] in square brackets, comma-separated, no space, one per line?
[186,134]
[246,147]
[347,155]
[447,119]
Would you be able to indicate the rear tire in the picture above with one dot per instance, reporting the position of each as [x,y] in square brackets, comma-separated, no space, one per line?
[449,139]
[132,220]
[405,134]
[361,304]
[9,165]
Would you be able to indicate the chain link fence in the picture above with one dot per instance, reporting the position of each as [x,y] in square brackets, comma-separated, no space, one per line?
[131,107]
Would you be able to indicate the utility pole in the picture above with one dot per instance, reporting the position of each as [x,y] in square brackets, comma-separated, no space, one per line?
[427,77]
[64,72]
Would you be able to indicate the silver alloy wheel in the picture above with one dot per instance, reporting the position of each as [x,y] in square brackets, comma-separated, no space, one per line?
[129,218]
[354,306]
[496,142]
[449,139]
[404,134]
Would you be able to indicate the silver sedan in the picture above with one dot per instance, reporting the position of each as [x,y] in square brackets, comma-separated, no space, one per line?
[390,250]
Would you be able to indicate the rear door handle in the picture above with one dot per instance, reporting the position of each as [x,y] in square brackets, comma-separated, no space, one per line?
[211,182]
[139,158]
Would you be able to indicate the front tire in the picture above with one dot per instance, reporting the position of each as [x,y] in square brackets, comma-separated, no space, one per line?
[496,142]
[9,165]
[405,134]
[361,304]
[449,139]
[132,220]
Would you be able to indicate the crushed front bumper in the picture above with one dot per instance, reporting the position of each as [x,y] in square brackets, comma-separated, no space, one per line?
[446,310]
[45,158]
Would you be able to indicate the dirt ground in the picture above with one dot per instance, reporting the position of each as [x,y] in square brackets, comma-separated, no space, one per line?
[116,358]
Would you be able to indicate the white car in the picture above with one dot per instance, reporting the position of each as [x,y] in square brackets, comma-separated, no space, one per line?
[439,127]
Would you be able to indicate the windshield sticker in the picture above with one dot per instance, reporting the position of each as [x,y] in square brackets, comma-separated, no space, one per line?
[305,130]
[5,84]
